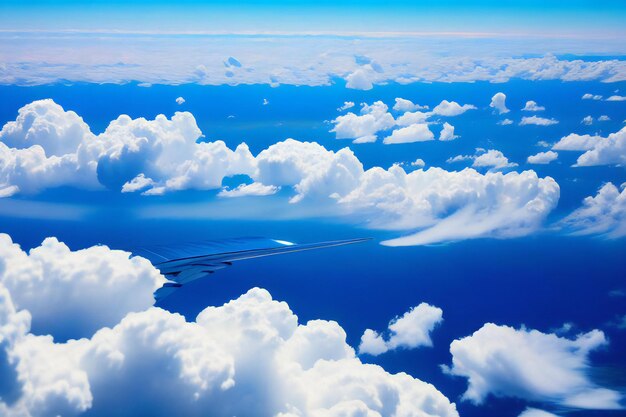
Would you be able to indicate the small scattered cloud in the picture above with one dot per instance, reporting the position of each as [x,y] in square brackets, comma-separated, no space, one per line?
[604,118]
[587,120]
[418,163]
[266,102]
[543,157]
[538,121]
[246,190]
[451,108]
[505,122]
[588,96]
[447,132]
[403,106]
[616,98]
[418,132]
[180,100]
[346,105]
[410,331]
[498,102]
[533,106]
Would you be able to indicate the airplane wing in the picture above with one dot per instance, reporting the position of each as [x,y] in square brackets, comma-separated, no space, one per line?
[184,263]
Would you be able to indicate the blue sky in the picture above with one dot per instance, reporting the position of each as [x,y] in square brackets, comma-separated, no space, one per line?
[481,147]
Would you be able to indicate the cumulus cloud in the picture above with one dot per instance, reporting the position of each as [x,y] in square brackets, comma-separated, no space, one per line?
[180,100]
[247,357]
[418,163]
[498,102]
[361,79]
[604,214]
[451,108]
[531,365]
[505,122]
[616,98]
[346,105]
[533,106]
[418,132]
[410,331]
[589,96]
[403,106]
[491,158]
[410,118]
[538,121]
[604,118]
[447,132]
[543,157]
[47,146]
[90,288]
[587,120]
[598,150]
[364,127]
[163,155]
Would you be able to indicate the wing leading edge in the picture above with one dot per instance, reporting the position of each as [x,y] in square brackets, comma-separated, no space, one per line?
[184,263]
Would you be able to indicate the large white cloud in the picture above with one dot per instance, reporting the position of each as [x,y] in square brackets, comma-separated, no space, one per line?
[89,288]
[247,357]
[610,150]
[409,331]
[531,365]
[162,155]
[50,147]
[602,214]
[498,102]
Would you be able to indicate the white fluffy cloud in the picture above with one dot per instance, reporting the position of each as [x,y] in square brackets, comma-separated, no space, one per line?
[527,364]
[493,159]
[532,105]
[402,105]
[245,190]
[346,105]
[410,331]
[180,100]
[247,357]
[589,96]
[537,121]
[418,132]
[90,288]
[451,108]
[47,146]
[162,155]
[598,150]
[604,214]
[364,127]
[616,98]
[505,122]
[498,102]
[604,118]
[447,132]
[587,120]
[543,157]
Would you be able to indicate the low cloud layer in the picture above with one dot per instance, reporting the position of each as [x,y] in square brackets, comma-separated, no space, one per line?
[530,365]
[296,60]
[247,357]
[162,155]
